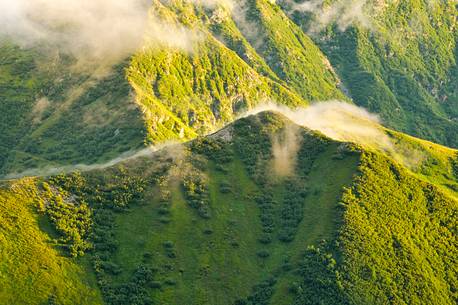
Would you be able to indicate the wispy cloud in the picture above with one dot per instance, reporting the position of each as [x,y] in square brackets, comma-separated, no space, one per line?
[285,147]
[337,120]
[54,170]
[343,13]
[346,123]
[96,29]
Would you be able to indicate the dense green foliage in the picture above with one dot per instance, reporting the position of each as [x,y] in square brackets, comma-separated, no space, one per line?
[32,270]
[71,219]
[410,248]
[211,220]
[402,66]
[53,115]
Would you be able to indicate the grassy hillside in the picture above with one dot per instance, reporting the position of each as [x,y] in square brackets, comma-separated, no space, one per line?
[402,64]
[179,94]
[54,113]
[410,239]
[58,113]
[228,71]
[227,219]
[33,270]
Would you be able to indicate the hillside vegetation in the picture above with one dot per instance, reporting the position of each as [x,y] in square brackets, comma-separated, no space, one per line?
[402,66]
[54,114]
[401,62]
[262,212]
[218,221]
[33,269]
[158,94]
[229,71]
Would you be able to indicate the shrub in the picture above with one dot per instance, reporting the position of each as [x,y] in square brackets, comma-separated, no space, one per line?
[196,191]
[225,187]
[294,288]
[163,211]
[234,244]
[168,244]
[265,239]
[164,219]
[155,284]
[170,282]
[208,231]
[263,253]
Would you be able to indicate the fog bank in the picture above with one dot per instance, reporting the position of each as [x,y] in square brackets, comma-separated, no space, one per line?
[89,29]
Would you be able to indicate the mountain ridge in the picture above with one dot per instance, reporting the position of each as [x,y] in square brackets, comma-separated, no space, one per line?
[203,152]
[145,213]
[173,93]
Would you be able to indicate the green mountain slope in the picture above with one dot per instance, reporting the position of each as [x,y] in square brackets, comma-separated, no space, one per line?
[415,224]
[55,113]
[262,212]
[234,218]
[402,65]
[158,94]
[32,270]
[227,72]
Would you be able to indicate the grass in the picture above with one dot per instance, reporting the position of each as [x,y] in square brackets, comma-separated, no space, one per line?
[321,215]
[207,259]
[358,201]
[32,269]
[216,259]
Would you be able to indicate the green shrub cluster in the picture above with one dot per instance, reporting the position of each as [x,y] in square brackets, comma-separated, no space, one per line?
[291,213]
[72,219]
[136,291]
[321,282]
[109,195]
[312,145]
[102,235]
[261,293]
[266,206]
[215,149]
[169,248]
[225,187]
[195,186]
[253,143]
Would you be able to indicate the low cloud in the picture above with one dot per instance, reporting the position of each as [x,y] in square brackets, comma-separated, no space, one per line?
[130,155]
[343,13]
[94,29]
[337,120]
[285,147]
[346,123]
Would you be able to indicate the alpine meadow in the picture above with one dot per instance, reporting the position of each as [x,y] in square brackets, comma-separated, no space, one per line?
[228,152]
